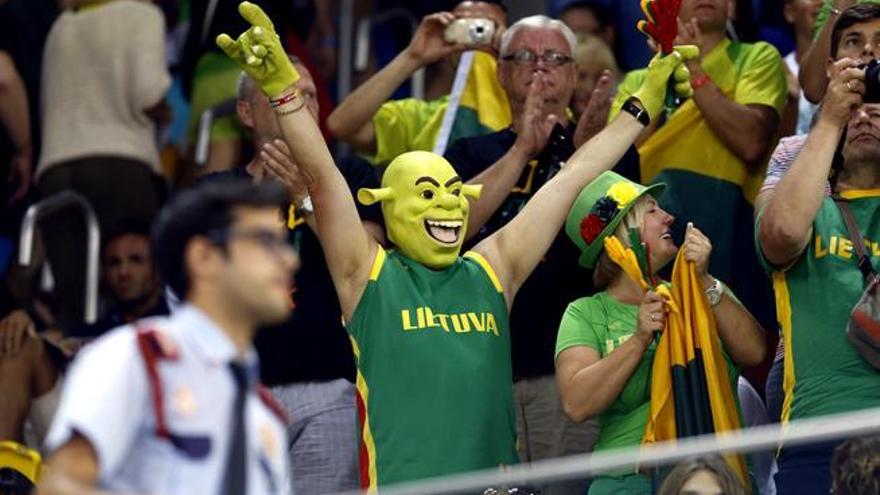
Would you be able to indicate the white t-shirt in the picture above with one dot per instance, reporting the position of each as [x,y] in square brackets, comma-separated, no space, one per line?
[805,108]
[102,67]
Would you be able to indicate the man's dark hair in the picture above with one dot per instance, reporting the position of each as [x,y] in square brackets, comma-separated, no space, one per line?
[205,208]
[855,467]
[125,226]
[857,14]
[602,13]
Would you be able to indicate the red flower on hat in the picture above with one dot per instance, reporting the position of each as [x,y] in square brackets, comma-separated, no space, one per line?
[591,227]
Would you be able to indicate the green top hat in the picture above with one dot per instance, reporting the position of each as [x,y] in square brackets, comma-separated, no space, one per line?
[599,209]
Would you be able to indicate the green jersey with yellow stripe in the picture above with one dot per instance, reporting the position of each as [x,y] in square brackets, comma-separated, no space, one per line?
[823,372]
[434,378]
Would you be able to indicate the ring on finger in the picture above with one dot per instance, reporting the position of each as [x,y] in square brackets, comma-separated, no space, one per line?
[653,317]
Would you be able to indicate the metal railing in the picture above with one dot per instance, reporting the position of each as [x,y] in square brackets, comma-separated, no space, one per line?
[206,121]
[49,206]
[836,427]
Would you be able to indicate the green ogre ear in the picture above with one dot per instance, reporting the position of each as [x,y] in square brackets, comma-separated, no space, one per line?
[368,196]
[472,190]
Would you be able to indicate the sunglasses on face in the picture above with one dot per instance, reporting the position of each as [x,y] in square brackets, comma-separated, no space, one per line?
[269,240]
[528,57]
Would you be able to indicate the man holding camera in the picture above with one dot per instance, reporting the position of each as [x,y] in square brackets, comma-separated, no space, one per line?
[381,129]
[804,241]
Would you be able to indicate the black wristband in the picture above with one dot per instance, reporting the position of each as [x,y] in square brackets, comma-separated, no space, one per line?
[640,114]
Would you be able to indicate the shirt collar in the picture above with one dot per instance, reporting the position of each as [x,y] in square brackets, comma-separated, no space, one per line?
[209,342]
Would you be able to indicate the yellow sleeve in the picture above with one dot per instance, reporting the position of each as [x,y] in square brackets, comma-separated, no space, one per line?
[762,79]
[400,126]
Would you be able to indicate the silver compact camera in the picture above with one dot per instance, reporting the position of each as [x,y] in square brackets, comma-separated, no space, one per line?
[470,31]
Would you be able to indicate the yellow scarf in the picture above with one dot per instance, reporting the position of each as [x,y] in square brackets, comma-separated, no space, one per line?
[690,327]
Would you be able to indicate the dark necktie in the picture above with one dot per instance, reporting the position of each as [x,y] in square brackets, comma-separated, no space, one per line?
[235,477]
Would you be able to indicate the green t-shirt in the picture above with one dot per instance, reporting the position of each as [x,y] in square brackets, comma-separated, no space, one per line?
[434,381]
[814,297]
[604,324]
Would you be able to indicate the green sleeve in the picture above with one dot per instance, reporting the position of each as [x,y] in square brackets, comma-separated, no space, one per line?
[581,325]
[762,80]
[630,84]
[399,123]
[822,17]
[765,263]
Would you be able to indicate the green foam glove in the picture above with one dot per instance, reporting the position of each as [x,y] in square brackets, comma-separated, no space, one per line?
[652,93]
[259,53]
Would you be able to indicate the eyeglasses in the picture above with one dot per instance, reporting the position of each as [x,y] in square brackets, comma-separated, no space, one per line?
[271,241]
[528,57]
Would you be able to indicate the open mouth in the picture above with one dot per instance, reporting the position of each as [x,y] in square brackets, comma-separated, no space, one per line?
[666,235]
[445,232]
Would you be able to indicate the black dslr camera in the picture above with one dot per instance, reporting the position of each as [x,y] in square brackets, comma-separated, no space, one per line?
[872,81]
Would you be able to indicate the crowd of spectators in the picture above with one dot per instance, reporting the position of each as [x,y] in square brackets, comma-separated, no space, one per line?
[766,177]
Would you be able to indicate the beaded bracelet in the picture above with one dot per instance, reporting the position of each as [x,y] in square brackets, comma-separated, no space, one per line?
[289,97]
[284,111]
[279,105]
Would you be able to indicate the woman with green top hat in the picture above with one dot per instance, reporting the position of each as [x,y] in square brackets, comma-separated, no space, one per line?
[606,342]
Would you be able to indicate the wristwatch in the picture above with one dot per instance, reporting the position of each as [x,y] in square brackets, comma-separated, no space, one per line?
[714,293]
[305,206]
[640,114]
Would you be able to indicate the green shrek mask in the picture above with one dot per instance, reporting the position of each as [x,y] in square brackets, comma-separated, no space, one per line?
[425,206]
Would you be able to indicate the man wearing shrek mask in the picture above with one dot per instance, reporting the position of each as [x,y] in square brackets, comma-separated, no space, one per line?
[429,326]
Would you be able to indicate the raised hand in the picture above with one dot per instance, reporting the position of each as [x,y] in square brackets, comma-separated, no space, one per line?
[689,33]
[259,53]
[427,45]
[845,93]
[652,316]
[595,115]
[652,93]
[697,249]
[532,128]
[277,164]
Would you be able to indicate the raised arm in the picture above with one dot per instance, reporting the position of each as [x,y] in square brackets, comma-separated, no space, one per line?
[787,219]
[740,332]
[746,129]
[813,74]
[352,120]
[348,247]
[516,249]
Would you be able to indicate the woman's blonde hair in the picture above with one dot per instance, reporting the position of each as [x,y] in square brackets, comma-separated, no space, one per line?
[591,52]
[606,270]
[728,481]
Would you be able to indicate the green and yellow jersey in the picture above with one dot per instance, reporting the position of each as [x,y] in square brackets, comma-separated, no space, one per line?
[814,297]
[434,384]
